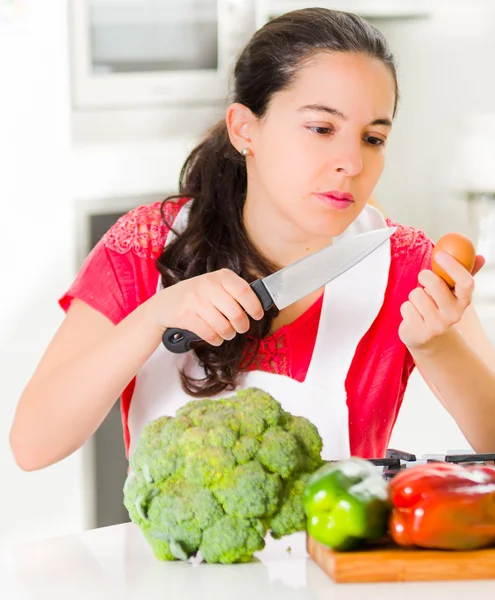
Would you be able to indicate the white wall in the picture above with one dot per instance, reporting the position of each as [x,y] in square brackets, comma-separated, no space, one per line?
[35,250]
[446,74]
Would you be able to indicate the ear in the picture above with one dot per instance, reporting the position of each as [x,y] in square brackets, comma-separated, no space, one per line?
[240,122]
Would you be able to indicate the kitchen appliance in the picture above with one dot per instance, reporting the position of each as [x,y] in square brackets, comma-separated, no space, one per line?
[290,284]
[152,52]
[176,53]
[475,179]
[395,461]
[368,9]
[481,222]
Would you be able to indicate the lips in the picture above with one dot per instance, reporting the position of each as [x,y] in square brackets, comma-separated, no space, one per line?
[336,200]
[336,195]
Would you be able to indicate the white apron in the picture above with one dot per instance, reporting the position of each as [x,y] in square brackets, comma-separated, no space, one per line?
[350,305]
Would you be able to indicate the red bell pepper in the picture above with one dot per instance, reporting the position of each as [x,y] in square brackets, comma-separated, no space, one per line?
[443,506]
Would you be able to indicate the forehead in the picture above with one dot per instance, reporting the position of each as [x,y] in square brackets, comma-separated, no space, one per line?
[348,82]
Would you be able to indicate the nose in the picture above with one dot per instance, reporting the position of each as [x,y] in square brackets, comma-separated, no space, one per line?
[348,159]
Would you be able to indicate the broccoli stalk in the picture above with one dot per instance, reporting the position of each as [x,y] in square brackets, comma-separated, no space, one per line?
[219,476]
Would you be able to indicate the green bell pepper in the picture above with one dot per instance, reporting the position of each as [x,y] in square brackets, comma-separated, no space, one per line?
[346,503]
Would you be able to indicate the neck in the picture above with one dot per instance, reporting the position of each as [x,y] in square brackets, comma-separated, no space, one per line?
[275,235]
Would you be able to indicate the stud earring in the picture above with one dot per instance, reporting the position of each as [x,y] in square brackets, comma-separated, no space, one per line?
[245,152]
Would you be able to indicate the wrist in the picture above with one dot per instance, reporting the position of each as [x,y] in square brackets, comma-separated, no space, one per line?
[152,315]
[437,345]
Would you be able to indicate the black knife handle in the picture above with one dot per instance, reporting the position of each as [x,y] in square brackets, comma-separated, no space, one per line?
[179,341]
[263,294]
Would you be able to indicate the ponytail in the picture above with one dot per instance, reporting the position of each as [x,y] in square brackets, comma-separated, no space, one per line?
[214,177]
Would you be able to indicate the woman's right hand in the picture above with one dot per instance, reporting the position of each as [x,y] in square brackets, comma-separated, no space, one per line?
[215,306]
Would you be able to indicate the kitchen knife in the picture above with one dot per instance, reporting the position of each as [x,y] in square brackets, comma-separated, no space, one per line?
[299,279]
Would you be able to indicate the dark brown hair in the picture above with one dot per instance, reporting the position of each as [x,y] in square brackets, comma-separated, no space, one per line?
[214,174]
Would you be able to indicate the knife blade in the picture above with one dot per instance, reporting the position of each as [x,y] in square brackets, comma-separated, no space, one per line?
[290,284]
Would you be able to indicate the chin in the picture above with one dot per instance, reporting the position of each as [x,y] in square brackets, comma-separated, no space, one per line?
[329,225]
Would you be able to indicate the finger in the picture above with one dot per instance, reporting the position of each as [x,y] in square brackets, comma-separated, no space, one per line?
[440,293]
[478,264]
[231,309]
[216,320]
[424,304]
[464,282]
[243,293]
[411,314]
[202,329]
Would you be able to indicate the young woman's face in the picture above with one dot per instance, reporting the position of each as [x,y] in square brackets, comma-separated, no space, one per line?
[320,149]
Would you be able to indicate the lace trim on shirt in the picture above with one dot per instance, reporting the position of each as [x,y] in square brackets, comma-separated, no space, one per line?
[272,356]
[406,239]
[141,230]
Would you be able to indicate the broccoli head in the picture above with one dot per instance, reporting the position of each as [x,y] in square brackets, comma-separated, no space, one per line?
[220,475]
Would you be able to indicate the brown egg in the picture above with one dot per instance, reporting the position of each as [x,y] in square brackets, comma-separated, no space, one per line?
[460,247]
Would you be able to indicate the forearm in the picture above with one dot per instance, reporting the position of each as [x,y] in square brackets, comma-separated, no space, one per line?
[465,384]
[58,413]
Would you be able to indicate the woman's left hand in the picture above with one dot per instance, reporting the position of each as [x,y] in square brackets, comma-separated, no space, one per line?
[433,307]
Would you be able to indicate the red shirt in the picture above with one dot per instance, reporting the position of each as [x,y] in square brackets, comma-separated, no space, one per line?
[120,274]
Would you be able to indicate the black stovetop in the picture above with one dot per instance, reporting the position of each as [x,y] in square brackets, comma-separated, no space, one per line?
[396,460]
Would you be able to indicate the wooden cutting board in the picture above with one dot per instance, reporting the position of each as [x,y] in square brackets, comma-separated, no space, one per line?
[387,562]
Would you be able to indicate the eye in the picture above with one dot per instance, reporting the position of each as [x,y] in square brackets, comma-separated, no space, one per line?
[374,141]
[320,130]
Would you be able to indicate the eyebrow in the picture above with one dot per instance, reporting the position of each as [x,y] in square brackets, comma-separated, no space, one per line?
[337,113]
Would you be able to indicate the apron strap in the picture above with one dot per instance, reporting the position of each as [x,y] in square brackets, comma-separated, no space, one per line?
[351,303]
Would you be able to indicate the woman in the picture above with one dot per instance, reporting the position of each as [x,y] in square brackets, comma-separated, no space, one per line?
[289,170]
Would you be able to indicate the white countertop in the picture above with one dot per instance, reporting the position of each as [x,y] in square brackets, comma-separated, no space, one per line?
[116,563]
